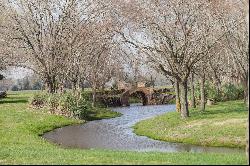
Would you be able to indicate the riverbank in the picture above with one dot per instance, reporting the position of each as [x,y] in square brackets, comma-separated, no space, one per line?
[21,127]
[223,124]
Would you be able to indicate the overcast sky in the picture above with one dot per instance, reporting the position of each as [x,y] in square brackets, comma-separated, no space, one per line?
[16,73]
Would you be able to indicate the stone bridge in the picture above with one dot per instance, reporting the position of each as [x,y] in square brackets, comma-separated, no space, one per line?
[144,92]
[148,96]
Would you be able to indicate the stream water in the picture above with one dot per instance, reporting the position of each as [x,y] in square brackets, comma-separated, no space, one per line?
[117,133]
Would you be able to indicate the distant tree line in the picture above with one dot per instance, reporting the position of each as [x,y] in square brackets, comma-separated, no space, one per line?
[27,83]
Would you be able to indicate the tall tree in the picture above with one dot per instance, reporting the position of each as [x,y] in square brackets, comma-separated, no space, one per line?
[44,32]
[238,44]
[175,35]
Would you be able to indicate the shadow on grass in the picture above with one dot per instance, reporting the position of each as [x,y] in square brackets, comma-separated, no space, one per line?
[12,101]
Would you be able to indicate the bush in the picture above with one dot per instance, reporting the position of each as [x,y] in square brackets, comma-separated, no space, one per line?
[1,77]
[226,93]
[87,95]
[14,88]
[37,86]
[114,86]
[3,94]
[80,108]
[39,100]
[63,104]
[212,93]
[232,92]
[53,101]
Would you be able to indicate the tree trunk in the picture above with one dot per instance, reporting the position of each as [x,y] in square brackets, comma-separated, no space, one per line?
[184,99]
[218,86]
[192,91]
[177,93]
[78,89]
[82,85]
[61,87]
[51,84]
[247,131]
[247,140]
[245,95]
[245,87]
[93,95]
[202,91]
[103,88]
[74,85]
[218,91]
[51,87]
[247,101]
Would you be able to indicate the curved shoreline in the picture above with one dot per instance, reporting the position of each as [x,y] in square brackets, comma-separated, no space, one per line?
[21,144]
[118,134]
[209,129]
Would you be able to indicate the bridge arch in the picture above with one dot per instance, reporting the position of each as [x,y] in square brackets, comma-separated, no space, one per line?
[145,94]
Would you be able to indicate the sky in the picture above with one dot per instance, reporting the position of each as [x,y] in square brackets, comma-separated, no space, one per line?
[16,73]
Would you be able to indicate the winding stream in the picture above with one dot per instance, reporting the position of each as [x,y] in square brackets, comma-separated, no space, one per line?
[117,133]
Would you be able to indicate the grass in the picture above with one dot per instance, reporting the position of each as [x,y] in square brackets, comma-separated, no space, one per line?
[20,142]
[223,124]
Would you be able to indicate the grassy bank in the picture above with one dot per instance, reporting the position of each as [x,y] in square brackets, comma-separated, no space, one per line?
[223,124]
[20,142]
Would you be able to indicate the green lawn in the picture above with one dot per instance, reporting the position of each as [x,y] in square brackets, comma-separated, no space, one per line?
[20,142]
[223,124]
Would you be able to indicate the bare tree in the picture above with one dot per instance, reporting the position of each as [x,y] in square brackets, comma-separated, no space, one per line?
[3,52]
[42,33]
[101,70]
[238,44]
[176,35]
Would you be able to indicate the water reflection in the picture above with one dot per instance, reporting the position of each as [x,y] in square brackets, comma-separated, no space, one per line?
[117,133]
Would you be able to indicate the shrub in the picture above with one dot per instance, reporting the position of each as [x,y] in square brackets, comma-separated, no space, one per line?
[82,109]
[39,100]
[37,86]
[14,88]
[1,77]
[226,93]
[3,94]
[63,104]
[79,107]
[212,93]
[53,101]
[232,92]
[114,86]
[87,95]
